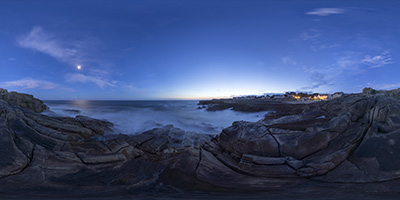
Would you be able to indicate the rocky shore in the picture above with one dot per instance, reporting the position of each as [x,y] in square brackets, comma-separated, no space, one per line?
[347,146]
[249,105]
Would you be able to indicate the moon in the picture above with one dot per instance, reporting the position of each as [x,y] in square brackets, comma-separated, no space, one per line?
[79,67]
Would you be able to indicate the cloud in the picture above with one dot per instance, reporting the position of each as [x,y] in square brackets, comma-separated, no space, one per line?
[70,51]
[319,47]
[68,47]
[12,59]
[288,60]
[384,86]
[349,64]
[316,38]
[62,50]
[378,61]
[311,34]
[326,11]
[29,83]
[318,77]
[345,65]
[81,78]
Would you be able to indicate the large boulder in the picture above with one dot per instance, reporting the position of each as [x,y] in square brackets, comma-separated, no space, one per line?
[350,139]
[23,100]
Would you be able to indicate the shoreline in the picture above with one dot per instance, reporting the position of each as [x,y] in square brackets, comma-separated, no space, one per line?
[136,117]
[310,149]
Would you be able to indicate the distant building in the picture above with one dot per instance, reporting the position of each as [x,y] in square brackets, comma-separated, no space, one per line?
[290,96]
[305,99]
[297,97]
[320,97]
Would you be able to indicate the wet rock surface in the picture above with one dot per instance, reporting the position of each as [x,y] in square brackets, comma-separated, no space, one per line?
[349,143]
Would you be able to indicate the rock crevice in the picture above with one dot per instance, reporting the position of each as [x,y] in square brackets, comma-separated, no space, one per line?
[352,139]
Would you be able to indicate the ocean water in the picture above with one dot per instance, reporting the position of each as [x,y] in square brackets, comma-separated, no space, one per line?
[133,117]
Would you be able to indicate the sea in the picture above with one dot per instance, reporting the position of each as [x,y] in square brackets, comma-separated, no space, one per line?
[135,117]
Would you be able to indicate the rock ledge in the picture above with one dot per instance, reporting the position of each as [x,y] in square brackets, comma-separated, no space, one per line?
[339,143]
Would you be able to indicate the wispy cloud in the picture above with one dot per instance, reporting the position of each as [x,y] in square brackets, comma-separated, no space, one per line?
[318,77]
[72,51]
[29,83]
[81,78]
[326,11]
[347,64]
[47,43]
[316,38]
[288,60]
[318,47]
[384,86]
[311,34]
[378,61]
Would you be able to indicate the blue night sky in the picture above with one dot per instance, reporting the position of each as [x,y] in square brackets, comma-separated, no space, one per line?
[196,49]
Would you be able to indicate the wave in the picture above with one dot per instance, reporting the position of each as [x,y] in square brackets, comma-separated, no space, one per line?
[133,117]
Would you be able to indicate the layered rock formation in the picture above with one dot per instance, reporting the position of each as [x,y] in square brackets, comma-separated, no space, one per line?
[353,139]
[23,100]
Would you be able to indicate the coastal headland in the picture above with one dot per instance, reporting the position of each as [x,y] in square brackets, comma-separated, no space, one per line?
[343,146]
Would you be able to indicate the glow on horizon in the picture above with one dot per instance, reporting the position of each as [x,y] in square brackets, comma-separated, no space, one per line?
[207,93]
[210,52]
[227,86]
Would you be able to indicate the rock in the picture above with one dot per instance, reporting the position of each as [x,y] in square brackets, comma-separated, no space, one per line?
[261,160]
[98,126]
[249,138]
[310,147]
[318,147]
[72,111]
[346,172]
[276,171]
[23,100]
[66,127]
[13,160]
[301,145]
[385,115]
[368,90]
[377,155]
[252,105]
[117,145]
[168,138]
[266,166]
[186,161]
[100,159]
[294,163]
[212,171]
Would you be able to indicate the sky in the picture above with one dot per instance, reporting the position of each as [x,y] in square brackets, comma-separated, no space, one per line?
[196,49]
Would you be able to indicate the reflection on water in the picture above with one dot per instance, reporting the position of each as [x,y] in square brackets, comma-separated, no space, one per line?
[82,104]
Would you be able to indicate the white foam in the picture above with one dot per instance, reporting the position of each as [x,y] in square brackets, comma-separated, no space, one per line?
[184,115]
